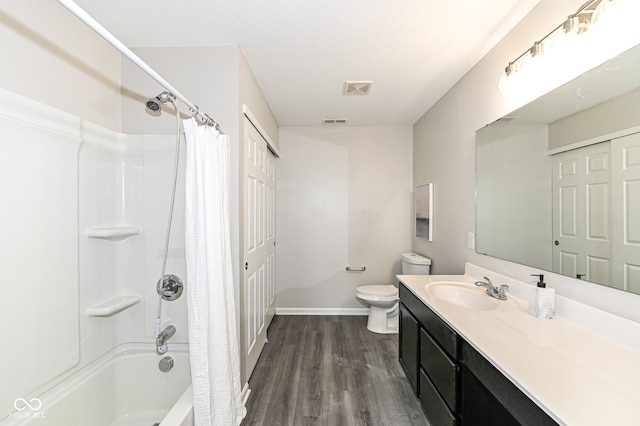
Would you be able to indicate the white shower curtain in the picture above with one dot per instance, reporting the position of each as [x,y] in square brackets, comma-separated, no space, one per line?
[213,344]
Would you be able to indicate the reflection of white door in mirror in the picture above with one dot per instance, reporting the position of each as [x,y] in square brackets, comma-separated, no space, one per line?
[625,151]
[581,215]
[596,219]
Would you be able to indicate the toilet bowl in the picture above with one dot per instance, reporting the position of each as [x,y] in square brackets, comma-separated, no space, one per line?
[383,307]
[383,300]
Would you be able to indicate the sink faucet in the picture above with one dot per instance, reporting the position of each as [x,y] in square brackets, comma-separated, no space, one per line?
[497,292]
[162,337]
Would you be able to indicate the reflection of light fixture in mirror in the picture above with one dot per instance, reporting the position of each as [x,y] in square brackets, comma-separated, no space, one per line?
[605,29]
[536,49]
[506,80]
[571,25]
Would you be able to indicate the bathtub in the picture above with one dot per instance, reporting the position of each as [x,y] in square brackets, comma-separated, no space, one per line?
[124,387]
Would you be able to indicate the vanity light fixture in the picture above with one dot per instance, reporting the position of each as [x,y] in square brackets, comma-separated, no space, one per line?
[577,23]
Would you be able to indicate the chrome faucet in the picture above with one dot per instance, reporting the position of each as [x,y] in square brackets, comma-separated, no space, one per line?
[162,337]
[497,292]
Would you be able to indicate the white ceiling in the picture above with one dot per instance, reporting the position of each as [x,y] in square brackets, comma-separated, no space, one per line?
[302,51]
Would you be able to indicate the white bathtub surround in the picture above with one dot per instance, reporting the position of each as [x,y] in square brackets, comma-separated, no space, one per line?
[123,387]
[575,372]
[217,393]
[84,248]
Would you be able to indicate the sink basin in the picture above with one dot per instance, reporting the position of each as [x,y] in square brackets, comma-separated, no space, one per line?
[462,295]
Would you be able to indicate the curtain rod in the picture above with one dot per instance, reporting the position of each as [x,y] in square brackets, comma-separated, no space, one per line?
[111,39]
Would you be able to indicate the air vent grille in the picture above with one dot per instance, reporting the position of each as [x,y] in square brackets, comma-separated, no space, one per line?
[334,121]
[357,87]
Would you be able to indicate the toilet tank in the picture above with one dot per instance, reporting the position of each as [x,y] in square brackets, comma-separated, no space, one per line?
[414,264]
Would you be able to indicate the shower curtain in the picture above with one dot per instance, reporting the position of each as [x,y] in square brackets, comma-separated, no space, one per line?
[213,345]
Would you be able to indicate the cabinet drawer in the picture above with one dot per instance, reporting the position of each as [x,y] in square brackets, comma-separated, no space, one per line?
[433,405]
[409,356]
[442,371]
[441,332]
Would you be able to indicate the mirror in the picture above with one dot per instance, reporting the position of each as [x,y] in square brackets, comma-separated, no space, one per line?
[558,180]
[424,211]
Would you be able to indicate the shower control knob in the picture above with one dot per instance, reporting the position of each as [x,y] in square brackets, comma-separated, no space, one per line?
[170,288]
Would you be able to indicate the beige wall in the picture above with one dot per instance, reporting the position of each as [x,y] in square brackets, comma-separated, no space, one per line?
[251,96]
[611,116]
[444,145]
[50,56]
[444,139]
[343,198]
[207,76]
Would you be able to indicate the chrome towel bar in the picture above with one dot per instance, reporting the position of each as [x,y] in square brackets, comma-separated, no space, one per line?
[362,269]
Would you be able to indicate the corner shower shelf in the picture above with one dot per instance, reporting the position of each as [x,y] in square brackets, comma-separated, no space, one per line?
[115,233]
[113,306]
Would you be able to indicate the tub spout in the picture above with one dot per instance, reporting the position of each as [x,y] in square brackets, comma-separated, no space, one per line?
[163,336]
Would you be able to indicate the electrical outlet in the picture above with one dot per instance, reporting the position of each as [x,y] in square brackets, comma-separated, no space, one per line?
[471,240]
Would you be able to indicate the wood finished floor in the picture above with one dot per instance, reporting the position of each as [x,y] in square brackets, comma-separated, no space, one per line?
[330,370]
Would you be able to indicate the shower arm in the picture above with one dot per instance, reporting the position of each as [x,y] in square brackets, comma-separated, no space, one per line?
[111,39]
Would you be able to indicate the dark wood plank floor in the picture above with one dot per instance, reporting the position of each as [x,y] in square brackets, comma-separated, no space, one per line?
[330,370]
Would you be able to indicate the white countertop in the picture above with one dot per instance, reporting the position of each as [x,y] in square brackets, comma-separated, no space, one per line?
[575,375]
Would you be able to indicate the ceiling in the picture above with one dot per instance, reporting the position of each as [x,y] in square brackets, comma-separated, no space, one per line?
[302,51]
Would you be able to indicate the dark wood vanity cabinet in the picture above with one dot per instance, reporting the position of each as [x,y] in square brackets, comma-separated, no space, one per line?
[432,359]
[408,345]
[489,398]
[456,384]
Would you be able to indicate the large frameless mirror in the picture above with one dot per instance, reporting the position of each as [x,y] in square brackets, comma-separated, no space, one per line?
[558,180]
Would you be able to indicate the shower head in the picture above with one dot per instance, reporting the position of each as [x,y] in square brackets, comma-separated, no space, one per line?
[155,104]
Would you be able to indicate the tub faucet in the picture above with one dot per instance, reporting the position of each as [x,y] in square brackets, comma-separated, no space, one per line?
[497,292]
[162,337]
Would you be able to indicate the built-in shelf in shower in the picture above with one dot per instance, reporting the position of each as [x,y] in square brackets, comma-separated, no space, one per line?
[114,233]
[113,306]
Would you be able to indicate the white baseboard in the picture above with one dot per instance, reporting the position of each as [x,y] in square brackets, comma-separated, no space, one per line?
[323,311]
[245,393]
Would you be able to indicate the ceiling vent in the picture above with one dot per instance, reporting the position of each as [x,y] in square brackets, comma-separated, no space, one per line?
[334,121]
[357,87]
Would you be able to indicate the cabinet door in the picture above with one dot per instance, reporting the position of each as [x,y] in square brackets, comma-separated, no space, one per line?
[480,407]
[490,399]
[409,355]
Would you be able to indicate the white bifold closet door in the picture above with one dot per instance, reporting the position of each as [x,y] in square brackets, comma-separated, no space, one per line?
[259,244]
[582,213]
[626,207]
[596,219]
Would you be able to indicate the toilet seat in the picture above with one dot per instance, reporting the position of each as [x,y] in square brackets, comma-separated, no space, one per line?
[387,292]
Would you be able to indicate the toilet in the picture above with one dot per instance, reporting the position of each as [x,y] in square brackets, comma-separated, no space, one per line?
[383,299]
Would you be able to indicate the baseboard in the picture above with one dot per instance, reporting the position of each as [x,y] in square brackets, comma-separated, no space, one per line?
[245,393]
[323,311]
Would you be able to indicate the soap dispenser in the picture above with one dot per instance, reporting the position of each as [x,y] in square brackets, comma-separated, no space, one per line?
[543,304]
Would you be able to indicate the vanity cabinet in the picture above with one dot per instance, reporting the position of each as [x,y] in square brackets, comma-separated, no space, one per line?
[432,359]
[489,398]
[455,383]
[408,345]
